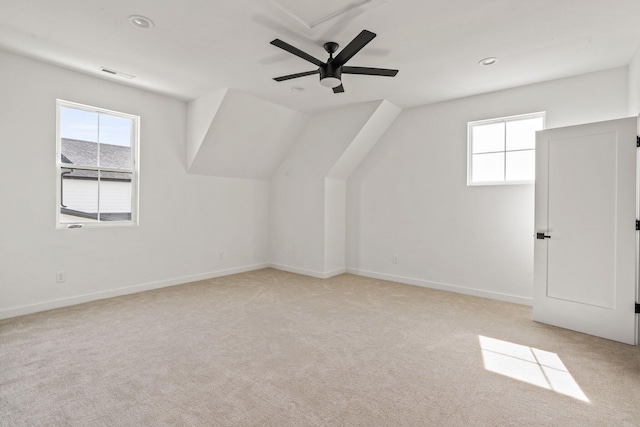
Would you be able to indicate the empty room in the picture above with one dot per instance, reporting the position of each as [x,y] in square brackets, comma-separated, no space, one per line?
[303,213]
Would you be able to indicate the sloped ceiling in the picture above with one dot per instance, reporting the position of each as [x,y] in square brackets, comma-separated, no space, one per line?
[381,119]
[202,46]
[235,135]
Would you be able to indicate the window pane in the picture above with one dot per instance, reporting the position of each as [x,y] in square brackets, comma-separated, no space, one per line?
[75,152]
[78,124]
[521,165]
[521,134]
[487,167]
[488,138]
[115,156]
[79,196]
[78,134]
[115,141]
[115,196]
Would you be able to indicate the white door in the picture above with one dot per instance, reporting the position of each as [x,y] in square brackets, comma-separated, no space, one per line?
[585,243]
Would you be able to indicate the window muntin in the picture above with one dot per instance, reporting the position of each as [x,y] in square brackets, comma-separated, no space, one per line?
[97,166]
[502,151]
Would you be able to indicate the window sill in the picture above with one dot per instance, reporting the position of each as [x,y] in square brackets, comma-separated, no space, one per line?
[80,225]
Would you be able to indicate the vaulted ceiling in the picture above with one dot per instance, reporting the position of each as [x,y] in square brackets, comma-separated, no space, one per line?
[201,46]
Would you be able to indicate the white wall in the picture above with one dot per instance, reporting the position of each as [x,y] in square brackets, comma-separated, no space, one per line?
[200,114]
[185,220]
[334,226]
[409,197]
[634,84]
[297,195]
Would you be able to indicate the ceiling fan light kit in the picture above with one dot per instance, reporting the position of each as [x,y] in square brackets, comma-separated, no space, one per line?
[330,76]
[331,71]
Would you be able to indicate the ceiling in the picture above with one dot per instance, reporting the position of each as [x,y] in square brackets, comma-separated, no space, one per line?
[200,46]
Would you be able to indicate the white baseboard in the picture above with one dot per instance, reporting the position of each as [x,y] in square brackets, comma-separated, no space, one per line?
[335,272]
[305,272]
[443,287]
[65,302]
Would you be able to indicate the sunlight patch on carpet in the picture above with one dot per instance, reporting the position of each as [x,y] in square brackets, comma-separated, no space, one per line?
[531,365]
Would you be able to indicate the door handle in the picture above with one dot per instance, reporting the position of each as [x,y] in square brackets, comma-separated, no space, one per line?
[542,236]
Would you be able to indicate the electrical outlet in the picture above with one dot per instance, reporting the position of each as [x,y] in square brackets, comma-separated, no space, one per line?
[61,276]
[396,259]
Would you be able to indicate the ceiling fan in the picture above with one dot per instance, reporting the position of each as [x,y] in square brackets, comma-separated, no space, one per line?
[332,70]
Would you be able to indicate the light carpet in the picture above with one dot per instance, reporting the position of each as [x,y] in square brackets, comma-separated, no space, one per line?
[270,348]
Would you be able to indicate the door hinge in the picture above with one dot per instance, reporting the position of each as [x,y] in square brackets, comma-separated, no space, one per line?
[637,308]
[637,225]
[637,141]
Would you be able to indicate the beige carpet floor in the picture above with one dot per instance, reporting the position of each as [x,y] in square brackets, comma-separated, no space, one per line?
[269,348]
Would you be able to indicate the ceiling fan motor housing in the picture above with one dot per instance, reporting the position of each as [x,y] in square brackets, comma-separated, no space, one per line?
[330,76]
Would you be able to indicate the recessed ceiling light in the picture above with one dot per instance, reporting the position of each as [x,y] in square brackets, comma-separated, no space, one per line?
[141,22]
[298,89]
[488,61]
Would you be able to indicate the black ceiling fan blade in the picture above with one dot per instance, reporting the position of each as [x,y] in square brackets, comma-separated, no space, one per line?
[354,47]
[369,71]
[338,89]
[295,76]
[291,49]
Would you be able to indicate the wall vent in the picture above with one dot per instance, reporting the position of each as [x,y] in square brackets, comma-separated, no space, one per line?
[117,73]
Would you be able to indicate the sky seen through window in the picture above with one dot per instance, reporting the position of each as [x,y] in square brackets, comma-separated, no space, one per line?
[95,127]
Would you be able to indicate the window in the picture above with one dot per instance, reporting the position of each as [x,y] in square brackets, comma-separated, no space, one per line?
[502,151]
[97,168]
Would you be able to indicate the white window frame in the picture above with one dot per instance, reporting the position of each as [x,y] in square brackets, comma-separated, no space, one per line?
[134,169]
[471,125]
